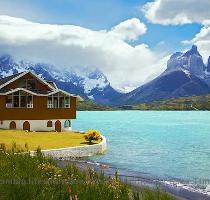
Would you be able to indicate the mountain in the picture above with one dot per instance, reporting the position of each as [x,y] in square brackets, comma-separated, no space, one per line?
[191,61]
[208,65]
[185,76]
[90,84]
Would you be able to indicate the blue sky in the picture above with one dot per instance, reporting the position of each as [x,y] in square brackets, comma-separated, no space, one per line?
[119,37]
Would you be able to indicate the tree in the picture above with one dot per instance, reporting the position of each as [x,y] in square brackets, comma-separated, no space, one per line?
[92,135]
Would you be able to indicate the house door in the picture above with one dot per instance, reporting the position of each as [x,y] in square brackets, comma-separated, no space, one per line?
[12,125]
[26,126]
[58,126]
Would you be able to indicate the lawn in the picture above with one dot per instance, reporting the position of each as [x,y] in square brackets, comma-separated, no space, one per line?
[44,140]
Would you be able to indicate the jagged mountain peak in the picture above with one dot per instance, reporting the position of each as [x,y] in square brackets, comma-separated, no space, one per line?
[190,61]
[192,51]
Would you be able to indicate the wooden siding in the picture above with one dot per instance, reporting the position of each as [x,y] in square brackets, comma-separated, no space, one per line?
[38,112]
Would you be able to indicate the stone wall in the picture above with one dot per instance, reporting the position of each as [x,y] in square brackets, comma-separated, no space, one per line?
[77,152]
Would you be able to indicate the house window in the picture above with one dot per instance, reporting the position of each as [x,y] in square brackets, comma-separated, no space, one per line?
[50,102]
[31,84]
[55,102]
[61,101]
[9,101]
[58,100]
[67,102]
[22,83]
[19,99]
[23,101]
[1,122]
[16,101]
[67,124]
[49,124]
[29,101]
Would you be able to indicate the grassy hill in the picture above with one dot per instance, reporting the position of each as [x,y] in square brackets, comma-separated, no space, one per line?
[185,103]
[88,105]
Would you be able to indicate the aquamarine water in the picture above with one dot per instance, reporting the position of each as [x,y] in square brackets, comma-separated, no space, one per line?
[168,145]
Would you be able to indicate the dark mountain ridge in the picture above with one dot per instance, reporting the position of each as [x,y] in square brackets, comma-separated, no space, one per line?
[186,75]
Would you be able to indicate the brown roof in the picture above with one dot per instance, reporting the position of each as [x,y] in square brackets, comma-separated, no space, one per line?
[52,84]
[8,78]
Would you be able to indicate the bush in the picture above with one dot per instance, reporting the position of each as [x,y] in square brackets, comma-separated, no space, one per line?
[92,135]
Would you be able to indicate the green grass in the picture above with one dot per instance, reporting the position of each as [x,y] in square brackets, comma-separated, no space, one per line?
[39,178]
[184,103]
[44,140]
[88,105]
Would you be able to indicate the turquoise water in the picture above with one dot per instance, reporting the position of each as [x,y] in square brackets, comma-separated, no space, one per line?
[167,145]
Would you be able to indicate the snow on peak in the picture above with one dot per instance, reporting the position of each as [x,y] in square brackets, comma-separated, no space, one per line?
[83,77]
[191,61]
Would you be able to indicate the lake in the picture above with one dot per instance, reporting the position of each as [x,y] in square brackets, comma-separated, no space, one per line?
[170,146]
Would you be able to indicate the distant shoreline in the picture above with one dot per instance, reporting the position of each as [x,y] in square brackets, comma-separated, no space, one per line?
[194,103]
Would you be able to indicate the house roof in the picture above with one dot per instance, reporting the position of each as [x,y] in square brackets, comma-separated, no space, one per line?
[52,84]
[9,78]
[19,75]
[5,81]
[37,94]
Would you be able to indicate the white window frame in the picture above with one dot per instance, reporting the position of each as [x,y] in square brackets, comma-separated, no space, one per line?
[11,105]
[67,105]
[51,105]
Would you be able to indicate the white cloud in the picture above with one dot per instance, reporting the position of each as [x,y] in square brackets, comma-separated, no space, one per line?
[129,30]
[176,12]
[74,46]
[202,40]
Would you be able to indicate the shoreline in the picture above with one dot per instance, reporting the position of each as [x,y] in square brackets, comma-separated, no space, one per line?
[178,191]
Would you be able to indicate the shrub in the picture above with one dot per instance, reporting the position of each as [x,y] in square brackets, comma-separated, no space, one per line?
[92,135]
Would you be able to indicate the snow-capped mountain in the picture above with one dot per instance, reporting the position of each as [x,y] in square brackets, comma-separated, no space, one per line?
[91,84]
[191,62]
[186,75]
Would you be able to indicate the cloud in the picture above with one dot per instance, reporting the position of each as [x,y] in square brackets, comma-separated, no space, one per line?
[73,46]
[202,40]
[129,30]
[176,12]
